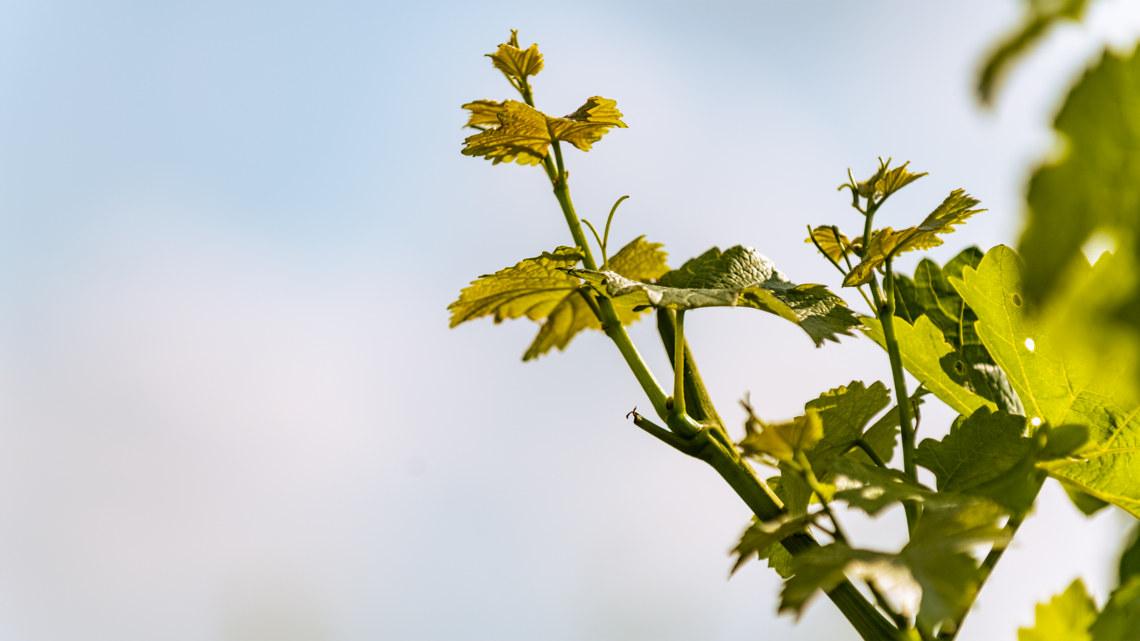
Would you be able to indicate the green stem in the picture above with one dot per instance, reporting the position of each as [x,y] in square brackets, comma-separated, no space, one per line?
[813,483]
[679,364]
[886,317]
[871,453]
[698,404]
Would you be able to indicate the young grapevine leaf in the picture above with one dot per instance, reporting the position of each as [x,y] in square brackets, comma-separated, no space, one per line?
[1066,617]
[887,242]
[516,62]
[783,440]
[484,114]
[931,294]
[924,354]
[883,435]
[1121,616]
[539,289]
[1096,183]
[844,413]
[761,535]
[886,181]
[986,455]
[738,277]
[834,243]
[1057,386]
[524,134]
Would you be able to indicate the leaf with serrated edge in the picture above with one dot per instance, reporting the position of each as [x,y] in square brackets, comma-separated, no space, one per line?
[763,534]
[484,113]
[524,134]
[515,61]
[832,242]
[1066,617]
[538,289]
[1055,385]
[872,488]
[922,349]
[783,440]
[887,242]
[738,277]
[844,412]
[978,449]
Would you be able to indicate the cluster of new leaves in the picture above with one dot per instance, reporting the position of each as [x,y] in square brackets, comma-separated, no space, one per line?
[738,277]
[540,289]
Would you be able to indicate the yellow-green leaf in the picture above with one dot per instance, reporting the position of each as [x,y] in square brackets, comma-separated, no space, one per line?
[484,114]
[923,350]
[1066,617]
[833,242]
[538,289]
[888,243]
[524,134]
[515,61]
[1057,385]
[761,535]
[782,441]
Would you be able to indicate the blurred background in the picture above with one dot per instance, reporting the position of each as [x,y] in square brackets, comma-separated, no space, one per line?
[230,406]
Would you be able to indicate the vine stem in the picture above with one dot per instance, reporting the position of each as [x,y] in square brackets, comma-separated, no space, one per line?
[887,318]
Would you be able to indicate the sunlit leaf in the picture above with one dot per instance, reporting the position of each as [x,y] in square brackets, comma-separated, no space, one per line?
[1066,617]
[524,134]
[1096,182]
[925,354]
[761,535]
[1120,618]
[886,181]
[1041,16]
[515,61]
[539,289]
[871,488]
[1056,385]
[781,441]
[887,242]
[484,114]
[738,277]
[834,243]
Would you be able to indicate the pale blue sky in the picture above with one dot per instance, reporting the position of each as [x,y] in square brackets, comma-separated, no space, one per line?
[230,406]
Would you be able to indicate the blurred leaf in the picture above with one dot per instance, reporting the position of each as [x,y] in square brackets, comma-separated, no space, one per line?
[844,412]
[779,559]
[739,277]
[783,440]
[872,488]
[1056,386]
[484,114]
[1041,16]
[1120,618]
[516,62]
[1096,183]
[524,134]
[762,535]
[1085,502]
[923,351]
[1130,559]
[886,181]
[538,289]
[1066,617]
[886,242]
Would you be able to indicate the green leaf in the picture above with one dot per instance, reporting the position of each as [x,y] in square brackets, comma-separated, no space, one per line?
[762,535]
[516,62]
[1066,617]
[779,559]
[524,134]
[844,412]
[1121,616]
[986,455]
[886,242]
[1130,559]
[1095,184]
[539,289]
[970,365]
[1085,502]
[883,435]
[783,440]
[1042,15]
[886,181]
[924,352]
[872,488]
[833,242]
[739,277]
[1057,386]
[934,568]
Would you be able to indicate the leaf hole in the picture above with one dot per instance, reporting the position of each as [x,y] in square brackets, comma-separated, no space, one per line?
[1029,344]
[960,367]
[1036,421]
[1017,300]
